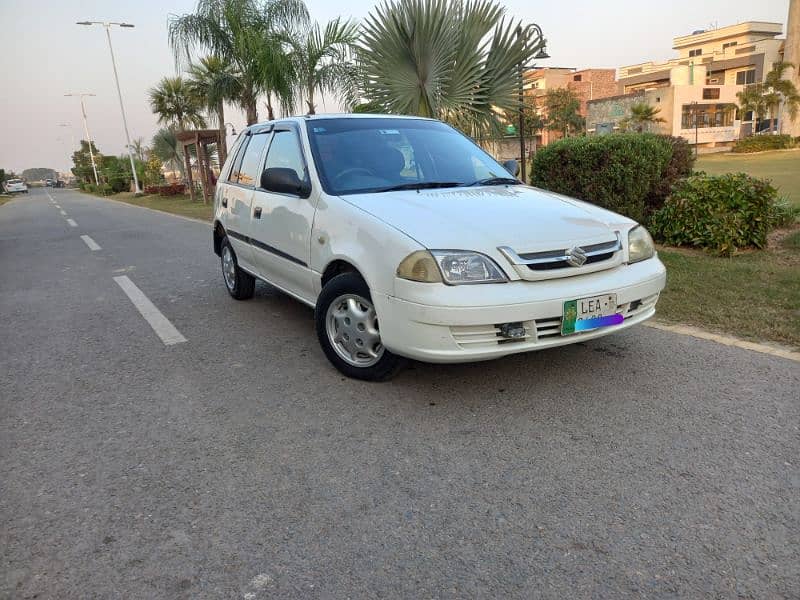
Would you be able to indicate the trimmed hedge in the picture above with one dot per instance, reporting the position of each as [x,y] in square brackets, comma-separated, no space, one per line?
[168,189]
[722,213]
[629,173]
[760,143]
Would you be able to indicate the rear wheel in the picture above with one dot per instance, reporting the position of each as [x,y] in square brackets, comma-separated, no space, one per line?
[349,333]
[241,285]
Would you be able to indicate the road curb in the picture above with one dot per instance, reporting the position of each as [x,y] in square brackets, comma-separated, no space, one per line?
[772,350]
[155,210]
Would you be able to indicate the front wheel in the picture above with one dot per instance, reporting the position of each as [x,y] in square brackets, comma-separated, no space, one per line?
[349,333]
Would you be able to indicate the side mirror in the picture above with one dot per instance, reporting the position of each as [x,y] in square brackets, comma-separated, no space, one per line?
[512,167]
[284,181]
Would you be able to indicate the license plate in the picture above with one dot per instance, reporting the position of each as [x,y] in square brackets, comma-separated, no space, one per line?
[585,314]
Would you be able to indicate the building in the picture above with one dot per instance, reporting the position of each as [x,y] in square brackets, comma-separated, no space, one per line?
[699,86]
[588,84]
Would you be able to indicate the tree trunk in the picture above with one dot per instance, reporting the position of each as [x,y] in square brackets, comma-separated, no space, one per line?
[223,143]
[310,101]
[270,112]
[250,108]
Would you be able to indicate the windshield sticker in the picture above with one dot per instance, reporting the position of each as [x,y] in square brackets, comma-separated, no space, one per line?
[319,130]
[389,131]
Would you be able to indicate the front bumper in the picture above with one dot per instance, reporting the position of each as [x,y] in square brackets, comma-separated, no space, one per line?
[436,323]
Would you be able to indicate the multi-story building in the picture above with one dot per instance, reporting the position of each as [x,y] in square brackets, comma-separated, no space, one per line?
[587,84]
[696,91]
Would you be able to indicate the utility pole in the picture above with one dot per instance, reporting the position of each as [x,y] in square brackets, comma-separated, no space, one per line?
[88,136]
[107,25]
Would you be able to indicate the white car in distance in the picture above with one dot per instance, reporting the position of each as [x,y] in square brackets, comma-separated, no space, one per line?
[410,241]
[16,186]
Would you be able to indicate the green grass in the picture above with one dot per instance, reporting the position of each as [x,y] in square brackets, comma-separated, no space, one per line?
[782,167]
[178,205]
[753,295]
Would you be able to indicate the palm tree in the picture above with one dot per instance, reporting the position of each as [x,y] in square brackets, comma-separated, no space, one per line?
[321,61]
[166,148]
[248,34]
[174,104]
[456,60]
[139,149]
[777,89]
[213,81]
[752,98]
[642,116]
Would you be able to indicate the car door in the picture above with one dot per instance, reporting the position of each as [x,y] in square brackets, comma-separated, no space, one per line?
[281,224]
[238,196]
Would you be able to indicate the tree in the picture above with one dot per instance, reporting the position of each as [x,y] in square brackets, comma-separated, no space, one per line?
[116,173]
[83,162]
[563,111]
[251,36]
[139,149]
[175,105]
[751,98]
[38,174]
[457,61]
[779,89]
[166,148]
[214,81]
[641,117]
[321,61]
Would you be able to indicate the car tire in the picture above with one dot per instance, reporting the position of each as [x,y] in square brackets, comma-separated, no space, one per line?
[240,284]
[344,310]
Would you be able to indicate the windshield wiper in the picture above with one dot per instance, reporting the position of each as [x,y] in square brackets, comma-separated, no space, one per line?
[419,185]
[495,181]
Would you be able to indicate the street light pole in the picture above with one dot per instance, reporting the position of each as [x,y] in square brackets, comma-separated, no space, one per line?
[522,37]
[107,26]
[88,136]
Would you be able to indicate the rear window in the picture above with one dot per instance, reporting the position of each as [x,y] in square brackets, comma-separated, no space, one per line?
[15,181]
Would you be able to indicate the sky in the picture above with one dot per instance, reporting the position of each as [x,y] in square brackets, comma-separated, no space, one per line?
[44,55]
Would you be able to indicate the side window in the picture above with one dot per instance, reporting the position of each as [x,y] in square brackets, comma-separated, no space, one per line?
[248,171]
[237,160]
[285,153]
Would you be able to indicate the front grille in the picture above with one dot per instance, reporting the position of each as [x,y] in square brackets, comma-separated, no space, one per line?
[549,264]
[562,264]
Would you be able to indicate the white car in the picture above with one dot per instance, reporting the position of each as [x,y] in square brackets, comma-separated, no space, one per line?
[16,186]
[410,241]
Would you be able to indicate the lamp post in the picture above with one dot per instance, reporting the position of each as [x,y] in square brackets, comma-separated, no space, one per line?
[88,136]
[694,115]
[107,25]
[522,37]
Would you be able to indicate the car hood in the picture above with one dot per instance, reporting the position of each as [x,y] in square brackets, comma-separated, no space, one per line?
[525,218]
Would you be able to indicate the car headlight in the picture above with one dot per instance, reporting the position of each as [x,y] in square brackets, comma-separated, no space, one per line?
[454,267]
[640,245]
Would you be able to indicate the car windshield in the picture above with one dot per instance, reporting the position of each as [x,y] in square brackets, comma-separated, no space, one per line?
[15,181]
[363,155]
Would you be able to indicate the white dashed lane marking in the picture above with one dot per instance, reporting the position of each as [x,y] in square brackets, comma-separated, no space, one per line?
[72,223]
[62,212]
[160,324]
[93,246]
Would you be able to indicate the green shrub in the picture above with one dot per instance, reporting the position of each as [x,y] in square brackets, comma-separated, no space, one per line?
[721,213]
[629,173]
[784,214]
[759,143]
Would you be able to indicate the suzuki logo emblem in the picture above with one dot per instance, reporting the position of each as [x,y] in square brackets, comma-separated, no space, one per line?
[576,256]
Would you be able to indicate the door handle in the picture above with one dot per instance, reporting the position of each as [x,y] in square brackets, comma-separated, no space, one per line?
[225,202]
[257,212]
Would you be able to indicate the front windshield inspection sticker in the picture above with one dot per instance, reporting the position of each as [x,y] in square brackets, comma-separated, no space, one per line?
[389,131]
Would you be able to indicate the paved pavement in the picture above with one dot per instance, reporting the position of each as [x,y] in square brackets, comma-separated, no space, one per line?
[239,464]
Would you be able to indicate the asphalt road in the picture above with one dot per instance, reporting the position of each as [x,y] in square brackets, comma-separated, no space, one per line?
[239,464]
